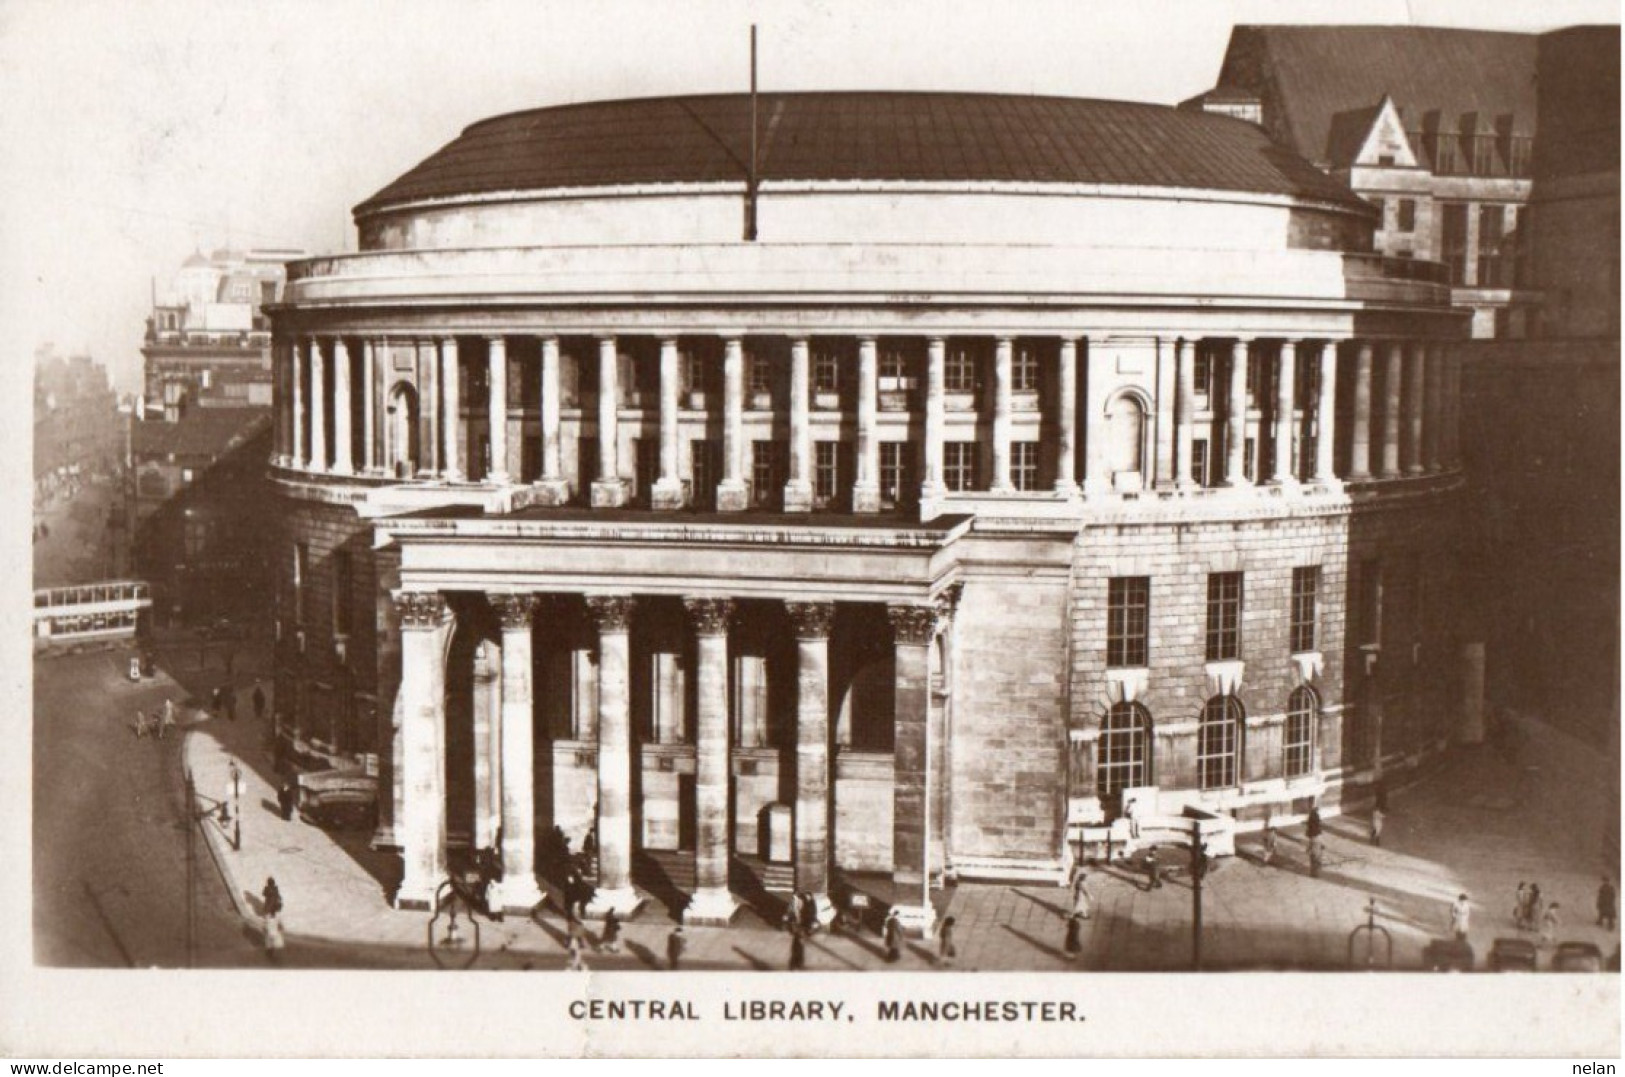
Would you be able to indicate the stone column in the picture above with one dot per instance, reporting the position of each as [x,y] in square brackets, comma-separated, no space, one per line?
[812,622]
[668,487]
[1415,376]
[421,829]
[1286,425]
[1066,445]
[1003,357]
[318,407]
[1184,414]
[731,493]
[608,491]
[343,443]
[1432,420]
[1165,442]
[866,487]
[1096,481]
[298,451]
[497,410]
[518,890]
[1326,415]
[712,902]
[1393,375]
[1360,456]
[451,427]
[913,628]
[552,487]
[613,615]
[798,491]
[369,407]
[1235,459]
[429,400]
[487,714]
[936,391]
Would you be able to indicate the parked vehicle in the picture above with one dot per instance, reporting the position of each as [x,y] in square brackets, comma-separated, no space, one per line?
[1513,955]
[342,798]
[1448,955]
[1576,957]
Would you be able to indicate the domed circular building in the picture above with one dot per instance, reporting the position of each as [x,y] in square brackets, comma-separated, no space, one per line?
[901,492]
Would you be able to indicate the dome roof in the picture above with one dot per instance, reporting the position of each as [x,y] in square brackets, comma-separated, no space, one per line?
[920,137]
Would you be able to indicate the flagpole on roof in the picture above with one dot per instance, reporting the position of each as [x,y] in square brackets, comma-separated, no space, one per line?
[750,182]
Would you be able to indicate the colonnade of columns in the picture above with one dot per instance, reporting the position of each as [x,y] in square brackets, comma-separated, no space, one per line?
[427,620]
[1412,429]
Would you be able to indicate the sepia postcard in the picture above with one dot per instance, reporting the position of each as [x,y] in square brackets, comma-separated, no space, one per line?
[813,529]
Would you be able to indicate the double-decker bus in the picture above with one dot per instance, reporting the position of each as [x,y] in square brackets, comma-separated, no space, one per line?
[109,609]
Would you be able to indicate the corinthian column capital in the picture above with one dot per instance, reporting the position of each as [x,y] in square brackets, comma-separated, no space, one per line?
[421,609]
[710,615]
[812,620]
[515,611]
[611,613]
[913,625]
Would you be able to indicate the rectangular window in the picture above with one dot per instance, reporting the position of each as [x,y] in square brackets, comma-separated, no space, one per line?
[1445,149]
[1382,212]
[959,465]
[703,471]
[766,472]
[960,369]
[825,473]
[761,374]
[1491,230]
[826,369]
[666,697]
[1202,371]
[1024,465]
[1024,368]
[1453,240]
[1257,379]
[1299,737]
[1128,621]
[896,473]
[343,581]
[1483,155]
[1305,597]
[1406,221]
[893,366]
[1223,616]
[1199,470]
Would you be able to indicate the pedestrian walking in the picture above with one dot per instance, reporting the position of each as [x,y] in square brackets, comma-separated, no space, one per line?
[1534,909]
[271,899]
[573,927]
[798,950]
[792,910]
[1312,826]
[1316,855]
[1549,923]
[287,798]
[1083,902]
[1520,906]
[259,701]
[1461,911]
[947,950]
[1268,856]
[1153,870]
[1074,937]
[1607,905]
[809,914]
[217,701]
[676,943]
[166,717]
[1376,826]
[1131,812]
[140,725]
[610,940]
[892,933]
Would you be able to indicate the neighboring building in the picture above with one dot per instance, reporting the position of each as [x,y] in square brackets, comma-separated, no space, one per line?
[198,485]
[208,341]
[1543,415]
[77,426]
[1040,453]
[1433,126]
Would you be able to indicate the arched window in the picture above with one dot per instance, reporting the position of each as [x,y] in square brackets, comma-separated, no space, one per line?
[1125,435]
[1123,760]
[403,431]
[1219,742]
[1302,715]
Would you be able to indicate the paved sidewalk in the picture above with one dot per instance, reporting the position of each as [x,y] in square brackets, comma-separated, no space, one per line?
[1476,823]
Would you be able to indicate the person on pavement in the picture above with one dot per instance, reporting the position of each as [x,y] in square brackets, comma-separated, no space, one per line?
[892,933]
[676,943]
[1268,856]
[1535,908]
[1153,870]
[610,940]
[1520,906]
[1607,905]
[1074,937]
[1376,826]
[1083,902]
[798,950]
[259,701]
[1549,924]
[271,897]
[1460,914]
[1131,812]
[947,951]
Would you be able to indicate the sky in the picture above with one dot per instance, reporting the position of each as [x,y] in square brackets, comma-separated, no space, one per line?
[135,133]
